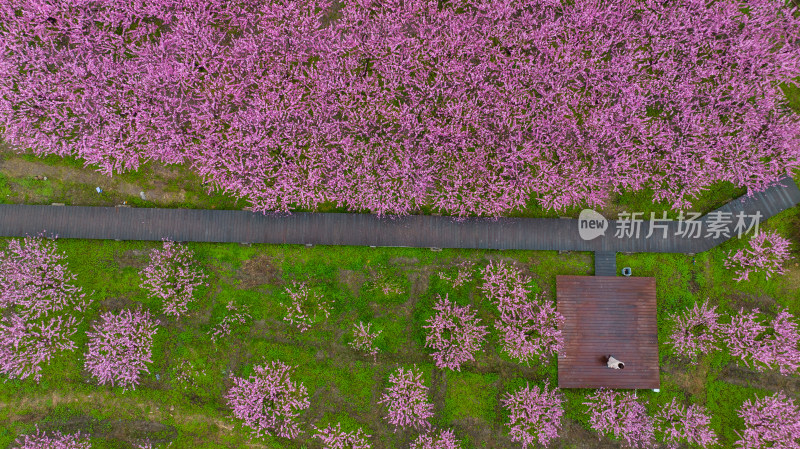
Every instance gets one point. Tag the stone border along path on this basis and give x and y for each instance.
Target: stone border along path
(422, 231)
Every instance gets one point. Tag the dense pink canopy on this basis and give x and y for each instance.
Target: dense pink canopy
(120, 347)
(469, 107)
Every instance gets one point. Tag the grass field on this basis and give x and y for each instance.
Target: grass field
(345, 386)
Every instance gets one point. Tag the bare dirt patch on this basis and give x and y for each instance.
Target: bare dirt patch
(767, 380)
(258, 271)
(144, 422)
(749, 302)
(792, 274)
(691, 381)
(118, 303)
(136, 258)
(353, 280)
(573, 435)
(403, 260)
(131, 431)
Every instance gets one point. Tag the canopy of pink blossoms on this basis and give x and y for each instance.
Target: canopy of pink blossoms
(269, 401)
(467, 107)
(406, 400)
(120, 347)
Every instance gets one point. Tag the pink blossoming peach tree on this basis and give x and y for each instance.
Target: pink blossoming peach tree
(771, 421)
(696, 331)
(172, 277)
(767, 253)
(534, 415)
(269, 401)
(120, 347)
(454, 333)
(406, 400)
(763, 344)
(621, 416)
(442, 439)
(678, 424)
(529, 325)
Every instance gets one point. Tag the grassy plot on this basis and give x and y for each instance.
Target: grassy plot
(344, 386)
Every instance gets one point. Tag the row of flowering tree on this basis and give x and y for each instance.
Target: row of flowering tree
(466, 106)
(757, 341)
(269, 403)
(769, 421)
(40, 306)
(623, 417)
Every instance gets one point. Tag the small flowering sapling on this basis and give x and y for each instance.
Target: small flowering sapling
(696, 331)
(621, 415)
(364, 340)
(506, 287)
(444, 439)
(454, 333)
(172, 276)
(678, 424)
(773, 421)
(535, 415)
(305, 308)
(235, 315)
(336, 438)
(407, 400)
(187, 375)
(760, 347)
(58, 440)
(767, 253)
(37, 299)
(389, 288)
(120, 346)
(463, 276)
(269, 402)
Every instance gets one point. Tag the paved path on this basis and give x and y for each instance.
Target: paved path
(124, 223)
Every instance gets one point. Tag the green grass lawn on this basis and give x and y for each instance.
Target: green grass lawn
(343, 385)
